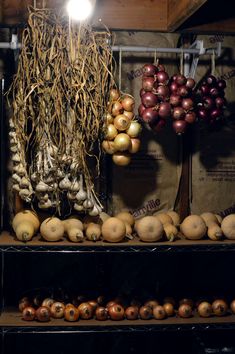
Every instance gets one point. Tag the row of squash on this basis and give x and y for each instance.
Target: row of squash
(159, 226)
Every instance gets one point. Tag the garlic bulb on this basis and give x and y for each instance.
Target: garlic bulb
(24, 183)
(78, 207)
(16, 158)
(16, 178)
(16, 187)
(75, 185)
(41, 187)
(24, 193)
(88, 204)
(65, 183)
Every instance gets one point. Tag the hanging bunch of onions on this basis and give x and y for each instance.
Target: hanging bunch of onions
(182, 102)
(121, 129)
(155, 108)
(59, 96)
(211, 101)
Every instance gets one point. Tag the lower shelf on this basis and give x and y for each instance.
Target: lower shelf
(10, 321)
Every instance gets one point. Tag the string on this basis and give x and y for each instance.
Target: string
(182, 62)
(120, 70)
(213, 63)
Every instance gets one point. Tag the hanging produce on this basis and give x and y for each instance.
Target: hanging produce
(121, 129)
(59, 97)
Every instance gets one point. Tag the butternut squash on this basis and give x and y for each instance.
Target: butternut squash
(113, 230)
(228, 226)
(149, 229)
(174, 216)
(214, 231)
(93, 232)
(164, 218)
(52, 229)
(193, 227)
(170, 231)
(73, 228)
(126, 217)
(209, 218)
(25, 224)
(219, 218)
(24, 231)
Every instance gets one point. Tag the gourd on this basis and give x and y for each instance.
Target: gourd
(149, 229)
(193, 227)
(113, 230)
(228, 226)
(214, 231)
(25, 224)
(52, 229)
(167, 222)
(93, 232)
(74, 229)
(126, 217)
(174, 216)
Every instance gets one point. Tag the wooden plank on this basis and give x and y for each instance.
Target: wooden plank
(180, 10)
(226, 26)
(132, 14)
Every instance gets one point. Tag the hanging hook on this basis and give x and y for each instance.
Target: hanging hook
(120, 70)
(182, 61)
(213, 62)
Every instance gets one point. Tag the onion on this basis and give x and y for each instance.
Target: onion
(169, 309)
(214, 92)
(162, 77)
(180, 79)
(190, 117)
(220, 102)
(122, 142)
(162, 91)
(149, 70)
(204, 309)
(108, 147)
(178, 113)
(159, 312)
(135, 146)
(185, 311)
(190, 83)
(174, 87)
(132, 312)
(134, 129)
(205, 89)
(128, 103)
(28, 313)
(187, 103)
(145, 312)
(129, 115)
(141, 109)
(148, 83)
(232, 306)
(164, 110)
(219, 307)
(101, 313)
(108, 118)
(187, 301)
(121, 159)
(221, 84)
(116, 312)
(149, 115)
(179, 126)
(175, 100)
(158, 125)
(151, 303)
(161, 67)
(142, 91)
(208, 102)
(216, 113)
(211, 80)
(203, 113)
(111, 132)
(114, 94)
(149, 99)
(117, 108)
(121, 122)
(183, 91)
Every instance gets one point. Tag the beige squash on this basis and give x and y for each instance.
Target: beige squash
(228, 226)
(52, 229)
(126, 217)
(149, 229)
(26, 215)
(174, 216)
(24, 231)
(113, 230)
(93, 232)
(193, 227)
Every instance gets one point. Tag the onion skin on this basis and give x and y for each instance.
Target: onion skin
(190, 117)
(108, 147)
(148, 83)
(85, 311)
(178, 113)
(117, 108)
(43, 314)
(183, 91)
(162, 77)
(111, 132)
(131, 313)
(180, 79)
(175, 100)
(129, 115)
(190, 83)
(121, 158)
(71, 313)
(204, 309)
(116, 312)
(134, 129)
(101, 313)
(164, 110)
(149, 70)
(122, 142)
(159, 312)
(186, 301)
(29, 313)
(141, 109)
(162, 92)
(179, 126)
(187, 103)
(145, 312)
(185, 311)
(128, 103)
(158, 125)
(135, 146)
(219, 307)
(121, 123)
(149, 115)
(174, 87)
(169, 309)
(149, 99)
(57, 309)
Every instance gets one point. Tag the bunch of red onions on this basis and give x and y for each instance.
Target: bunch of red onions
(162, 98)
(155, 108)
(211, 101)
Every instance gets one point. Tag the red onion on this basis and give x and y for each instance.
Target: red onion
(190, 117)
(183, 91)
(174, 87)
(187, 104)
(162, 77)
(179, 126)
(148, 83)
(161, 67)
(164, 110)
(211, 80)
(190, 83)
(158, 125)
(142, 91)
(221, 84)
(216, 113)
(180, 79)
(203, 113)
(162, 91)
(175, 100)
(208, 102)
(205, 90)
(149, 70)
(214, 92)
(149, 115)
(149, 99)
(178, 113)
(141, 109)
(220, 102)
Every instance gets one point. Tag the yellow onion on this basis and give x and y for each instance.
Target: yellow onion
(121, 122)
(108, 147)
(114, 94)
(122, 142)
(135, 146)
(129, 115)
(134, 129)
(121, 158)
(108, 118)
(117, 108)
(111, 132)
(128, 103)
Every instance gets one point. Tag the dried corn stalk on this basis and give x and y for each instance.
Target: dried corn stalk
(59, 96)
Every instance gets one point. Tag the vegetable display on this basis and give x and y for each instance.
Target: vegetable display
(59, 98)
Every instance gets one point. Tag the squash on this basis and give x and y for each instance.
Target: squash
(170, 231)
(219, 218)
(228, 226)
(149, 229)
(113, 230)
(25, 224)
(174, 216)
(164, 218)
(193, 227)
(89, 219)
(126, 217)
(214, 231)
(52, 229)
(93, 232)
(74, 229)
(209, 218)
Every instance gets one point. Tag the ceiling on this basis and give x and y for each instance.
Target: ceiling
(151, 15)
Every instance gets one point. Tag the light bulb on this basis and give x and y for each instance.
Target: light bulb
(80, 10)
